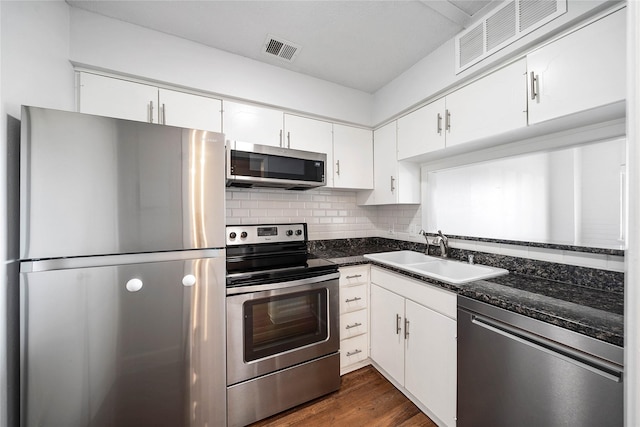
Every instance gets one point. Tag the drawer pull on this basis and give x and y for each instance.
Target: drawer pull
(355, 276)
(355, 325)
(352, 299)
(354, 352)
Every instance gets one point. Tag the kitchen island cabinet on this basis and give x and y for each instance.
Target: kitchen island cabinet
(123, 99)
(413, 340)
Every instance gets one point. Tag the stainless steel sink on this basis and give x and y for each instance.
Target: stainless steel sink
(445, 270)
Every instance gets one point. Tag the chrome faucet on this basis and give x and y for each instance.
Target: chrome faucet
(443, 241)
(424, 233)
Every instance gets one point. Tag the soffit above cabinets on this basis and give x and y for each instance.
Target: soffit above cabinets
(354, 43)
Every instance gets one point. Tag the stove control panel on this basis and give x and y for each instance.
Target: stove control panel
(265, 233)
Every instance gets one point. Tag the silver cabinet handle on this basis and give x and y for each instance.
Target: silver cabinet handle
(353, 299)
(534, 86)
(150, 111)
(338, 167)
(393, 181)
(355, 325)
(164, 114)
(288, 139)
(398, 327)
(447, 120)
(280, 137)
(354, 352)
(439, 124)
(406, 329)
(355, 276)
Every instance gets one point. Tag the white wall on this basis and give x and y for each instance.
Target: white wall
(436, 72)
(101, 42)
(632, 259)
(34, 69)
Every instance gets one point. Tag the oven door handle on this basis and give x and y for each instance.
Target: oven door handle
(282, 285)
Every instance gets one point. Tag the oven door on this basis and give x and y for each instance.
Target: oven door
(281, 325)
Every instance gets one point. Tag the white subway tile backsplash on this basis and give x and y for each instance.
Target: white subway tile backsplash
(335, 214)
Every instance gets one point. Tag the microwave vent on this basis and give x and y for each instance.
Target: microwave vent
(502, 26)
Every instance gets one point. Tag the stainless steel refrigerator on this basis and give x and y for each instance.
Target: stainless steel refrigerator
(122, 273)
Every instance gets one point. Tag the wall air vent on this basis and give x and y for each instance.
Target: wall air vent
(503, 26)
(280, 48)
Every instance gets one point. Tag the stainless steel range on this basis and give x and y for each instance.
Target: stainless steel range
(282, 322)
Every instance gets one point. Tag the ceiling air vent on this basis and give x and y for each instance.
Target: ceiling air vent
(503, 26)
(283, 49)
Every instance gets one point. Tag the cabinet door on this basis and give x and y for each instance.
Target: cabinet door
(306, 134)
(422, 131)
(387, 338)
(190, 111)
(106, 96)
(582, 70)
(489, 106)
(248, 123)
(352, 157)
(385, 165)
(430, 358)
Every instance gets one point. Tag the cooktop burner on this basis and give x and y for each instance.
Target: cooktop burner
(271, 253)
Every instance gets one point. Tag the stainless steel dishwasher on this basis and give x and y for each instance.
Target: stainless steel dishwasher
(518, 371)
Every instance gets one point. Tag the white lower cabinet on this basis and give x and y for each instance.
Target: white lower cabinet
(413, 341)
(354, 318)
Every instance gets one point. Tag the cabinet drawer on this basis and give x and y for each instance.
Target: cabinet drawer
(353, 350)
(353, 324)
(430, 296)
(353, 298)
(350, 276)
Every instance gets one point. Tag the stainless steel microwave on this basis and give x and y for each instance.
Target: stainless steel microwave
(253, 165)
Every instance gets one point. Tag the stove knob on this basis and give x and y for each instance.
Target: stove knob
(232, 235)
(243, 235)
(298, 232)
(289, 233)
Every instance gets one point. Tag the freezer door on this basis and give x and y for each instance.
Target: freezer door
(124, 346)
(95, 185)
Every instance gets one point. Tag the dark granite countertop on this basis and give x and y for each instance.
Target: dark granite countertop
(592, 312)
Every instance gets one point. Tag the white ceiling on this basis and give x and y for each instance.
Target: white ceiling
(359, 44)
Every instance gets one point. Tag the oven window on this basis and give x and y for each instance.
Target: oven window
(277, 324)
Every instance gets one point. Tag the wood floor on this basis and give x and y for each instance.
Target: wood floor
(365, 398)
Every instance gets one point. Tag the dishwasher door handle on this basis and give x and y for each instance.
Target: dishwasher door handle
(607, 370)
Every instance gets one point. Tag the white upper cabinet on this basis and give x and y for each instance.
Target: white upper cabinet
(422, 131)
(248, 123)
(352, 157)
(111, 97)
(492, 105)
(306, 134)
(393, 182)
(190, 111)
(583, 70)
(104, 96)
